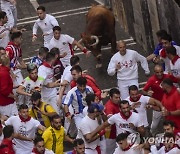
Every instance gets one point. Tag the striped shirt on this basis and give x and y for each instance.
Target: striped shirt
(36, 60)
(77, 99)
(14, 51)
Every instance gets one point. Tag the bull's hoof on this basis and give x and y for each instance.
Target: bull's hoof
(98, 65)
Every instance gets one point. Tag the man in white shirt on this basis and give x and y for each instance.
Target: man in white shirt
(31, 83)
(124, 147)
(139, 103)
(76, 97)
(4, 30)
(124, 63)
(174, 61)
(39, 147)
(49, 91)
(25, 128)
(64, 43)
(9, 6)
(46, 22)
(88, 124)
(125, 121)
(167, 42)
(169, 146)
(66, 78)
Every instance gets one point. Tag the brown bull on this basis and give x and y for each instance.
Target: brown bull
(99, 31)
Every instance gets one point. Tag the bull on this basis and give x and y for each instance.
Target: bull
(99, 31)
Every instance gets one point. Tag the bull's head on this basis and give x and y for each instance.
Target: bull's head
(90, 41)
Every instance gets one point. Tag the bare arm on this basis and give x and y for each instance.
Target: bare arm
(21, 91)
(53, 84)
(21, 137)
(99, 128)
(155, 102)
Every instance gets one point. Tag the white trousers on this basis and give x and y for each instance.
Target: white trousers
(155, 120)
(124, 85)
(9, 110)
(110, 146)
(91, 151)
(102, 145)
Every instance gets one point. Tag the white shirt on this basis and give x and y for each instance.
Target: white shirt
(77, 99)
(129, 67)
(175, 68)
(27, 129)
(88, 125)
(131, 150)
(63, 45)
(47, 73)
(122, 125)
(5, 3)
(154, 150)
(46, 26)
(167, 60)
(30, 85)
(4, 30)
(46, 152)
(68, 77)
(1, 137)
(144, 100)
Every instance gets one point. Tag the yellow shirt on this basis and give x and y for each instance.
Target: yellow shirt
(59, 138)
(43, 119)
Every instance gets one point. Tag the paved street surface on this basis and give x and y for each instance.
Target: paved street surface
(71, 17)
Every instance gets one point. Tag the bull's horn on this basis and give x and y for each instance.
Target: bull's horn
(96, 38)
(75, 47)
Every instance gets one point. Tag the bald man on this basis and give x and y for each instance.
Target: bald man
(124, 63)
(153, 88)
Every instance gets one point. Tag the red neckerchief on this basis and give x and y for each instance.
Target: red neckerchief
(74, 152)
(46, 64)
(35, 151)
(24, 120)
(125, 117)
(167, 150)
(126, 149)
(163, 53)
(33, 79)
(139, 96)
(175, 59)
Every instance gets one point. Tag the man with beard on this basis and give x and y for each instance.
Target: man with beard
(79, 147)
(169, 146)
(171, 103)
(39, 147)
(25, 128)
(88, 124)
(46, 22)
(139, 103)
(111, 108)
(125, 121)
(54, 136)
(40, 110)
